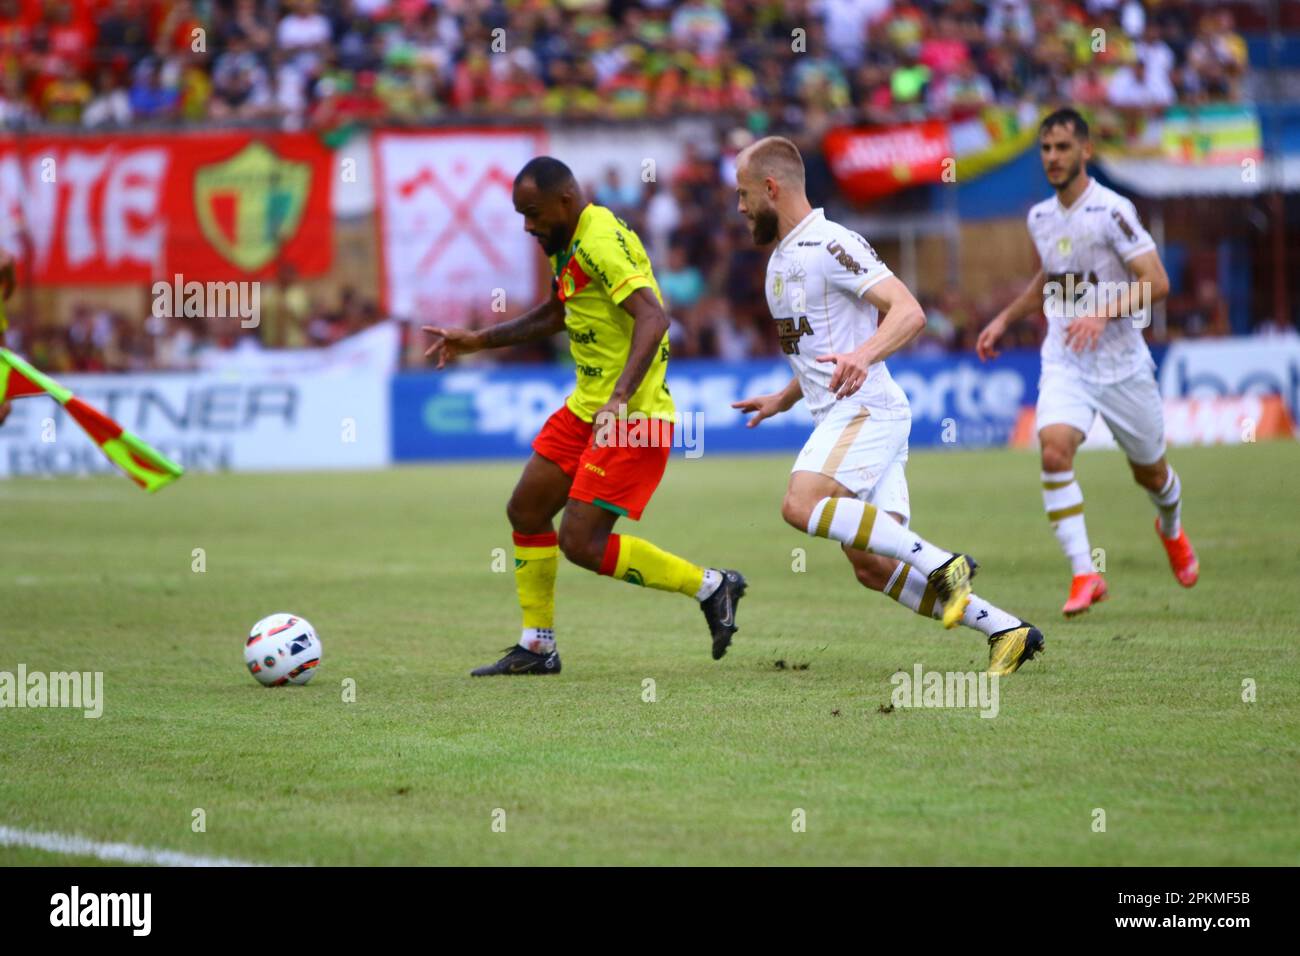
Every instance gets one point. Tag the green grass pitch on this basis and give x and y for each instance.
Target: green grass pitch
(1135, 709)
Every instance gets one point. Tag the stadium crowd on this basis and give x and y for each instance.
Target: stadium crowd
(756, 66)
(770, 62)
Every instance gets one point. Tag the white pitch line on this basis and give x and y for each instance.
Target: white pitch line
(113, 852)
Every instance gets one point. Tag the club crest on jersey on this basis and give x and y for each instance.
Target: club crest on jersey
(778, 285)
(1063, 245)
(571, 280)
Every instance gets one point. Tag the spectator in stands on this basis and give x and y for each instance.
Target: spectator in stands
(305, 32)
(121, 35)
(681, 282)
(615, 194)
(241, 84)
(110, 106)
(65, 96)
(962, 93)
(1135, 89)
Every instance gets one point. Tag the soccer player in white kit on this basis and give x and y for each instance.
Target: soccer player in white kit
(840, 313)
(1099, 275)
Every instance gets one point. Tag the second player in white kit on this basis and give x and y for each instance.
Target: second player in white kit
(839, 313)
(1099, 275)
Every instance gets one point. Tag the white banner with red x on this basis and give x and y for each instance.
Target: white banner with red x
(453, 250)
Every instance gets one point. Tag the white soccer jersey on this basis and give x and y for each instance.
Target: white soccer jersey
(1092, 241)
(815, 281)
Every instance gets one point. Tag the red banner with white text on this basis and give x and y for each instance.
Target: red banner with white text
(121, 209)
(871, 163)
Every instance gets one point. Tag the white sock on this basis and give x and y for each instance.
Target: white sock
(985, 617)
(914, 592)
(1063, 502)
(712, 580)
(1169, 504)
(539, 640)
(859, 525)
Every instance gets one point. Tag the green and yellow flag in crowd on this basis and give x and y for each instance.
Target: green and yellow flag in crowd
(143, 464)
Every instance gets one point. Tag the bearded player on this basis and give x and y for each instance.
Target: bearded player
(1095, 362)
(604, 293)
(840, 313)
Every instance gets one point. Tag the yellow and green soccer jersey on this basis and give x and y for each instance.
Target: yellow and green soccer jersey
(604, 264)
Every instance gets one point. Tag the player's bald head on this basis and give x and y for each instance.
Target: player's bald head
(547, 195)
(773, 157)
(769, 182)
(550, 176)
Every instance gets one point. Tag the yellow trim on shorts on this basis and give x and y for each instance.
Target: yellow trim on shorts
(844, 442)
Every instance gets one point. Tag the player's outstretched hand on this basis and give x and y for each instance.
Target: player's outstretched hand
(449, 343)
(986, 346)
(765, 405)
(850, 373)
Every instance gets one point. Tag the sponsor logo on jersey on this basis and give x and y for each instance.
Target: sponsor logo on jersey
(790, 331)
(591, 265)
(585, 337)
(1124, 227)
(626, 251)
(841, 255)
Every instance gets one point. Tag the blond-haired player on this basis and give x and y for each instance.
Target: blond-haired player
(840, 313)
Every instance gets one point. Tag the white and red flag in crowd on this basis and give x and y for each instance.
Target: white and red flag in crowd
(451, 243)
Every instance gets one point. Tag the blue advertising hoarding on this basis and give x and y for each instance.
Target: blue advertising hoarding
(469, 412)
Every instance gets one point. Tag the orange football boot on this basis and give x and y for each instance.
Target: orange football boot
(1182, 559)
(1085, 591)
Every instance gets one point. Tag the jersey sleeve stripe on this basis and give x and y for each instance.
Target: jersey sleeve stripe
(871, 281)
(625, 282)
(1141, 250)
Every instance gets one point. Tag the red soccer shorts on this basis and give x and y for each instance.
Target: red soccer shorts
(620, 476)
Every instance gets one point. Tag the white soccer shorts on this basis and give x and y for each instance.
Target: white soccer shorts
(864, 454)
(1132, 410)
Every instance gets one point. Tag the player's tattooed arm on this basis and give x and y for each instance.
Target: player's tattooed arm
(1029, 302)
(901, 321)
(538, 322)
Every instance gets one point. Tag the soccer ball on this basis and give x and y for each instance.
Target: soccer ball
(282, 649)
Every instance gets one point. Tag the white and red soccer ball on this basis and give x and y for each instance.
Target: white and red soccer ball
(282, 649)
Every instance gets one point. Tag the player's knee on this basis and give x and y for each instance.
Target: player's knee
(517, 514)
(580, 547)
(1153, 477)
(1057, 458)
(796, 512)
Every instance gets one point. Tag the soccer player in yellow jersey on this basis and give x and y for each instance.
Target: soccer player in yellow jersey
(604, 293)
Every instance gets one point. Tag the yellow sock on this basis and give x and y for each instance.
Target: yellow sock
(536, 557)
(640, 562)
